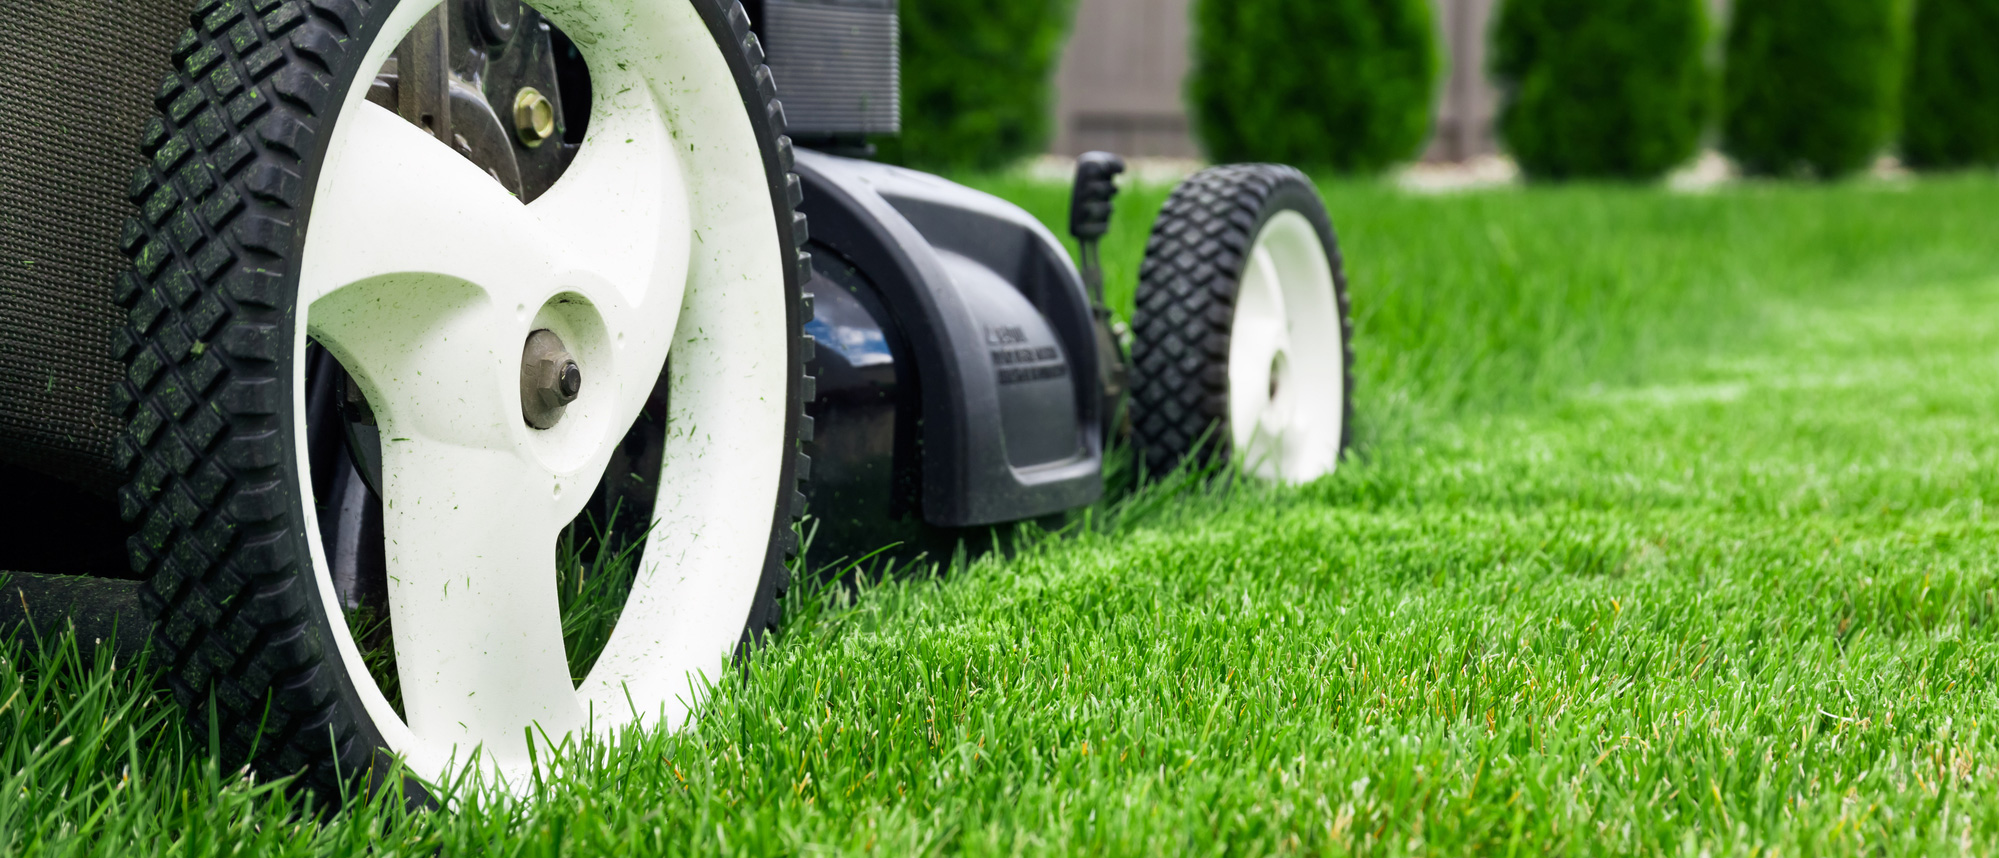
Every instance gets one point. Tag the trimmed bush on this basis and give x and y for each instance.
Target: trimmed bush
(1950, 106)
(1341, 85)
(977, 81)
(1602, 88)
(1811, 85)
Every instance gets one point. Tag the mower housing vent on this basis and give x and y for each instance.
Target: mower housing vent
(837, 65)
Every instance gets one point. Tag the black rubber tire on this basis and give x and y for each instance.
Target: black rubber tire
(209, 441)
(1186, 305)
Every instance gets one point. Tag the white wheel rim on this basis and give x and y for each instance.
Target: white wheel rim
(1287, 357)
(424, 277)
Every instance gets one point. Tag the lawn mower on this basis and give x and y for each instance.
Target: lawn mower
(426, 380)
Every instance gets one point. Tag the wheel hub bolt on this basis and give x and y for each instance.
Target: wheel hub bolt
(571, 382)
(550, 379)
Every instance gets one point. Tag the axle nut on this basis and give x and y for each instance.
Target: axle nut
(550, 379)
(534, 117)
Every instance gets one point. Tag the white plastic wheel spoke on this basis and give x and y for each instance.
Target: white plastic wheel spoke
(1282, 430)
(472, 537)
(623, 204)
(396, 202)
(410, 217)
(1258, 337)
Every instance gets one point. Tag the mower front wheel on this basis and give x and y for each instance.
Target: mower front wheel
(1241, 342)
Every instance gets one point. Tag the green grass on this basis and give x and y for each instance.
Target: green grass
(1668, 534)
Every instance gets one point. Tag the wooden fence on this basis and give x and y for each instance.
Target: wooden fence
(1119, 87)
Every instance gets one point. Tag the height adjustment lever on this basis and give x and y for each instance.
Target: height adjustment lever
(1089, 220)
(1090, 212)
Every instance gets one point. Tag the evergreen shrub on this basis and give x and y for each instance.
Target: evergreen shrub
(1810, 86)
(1342, 85)
(1602, 88)
(1950, 105)
(977, 81)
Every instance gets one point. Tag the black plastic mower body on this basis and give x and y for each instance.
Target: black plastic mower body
(956, 359)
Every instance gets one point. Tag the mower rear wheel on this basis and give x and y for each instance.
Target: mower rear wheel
(283, 213)
(1241, 342)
